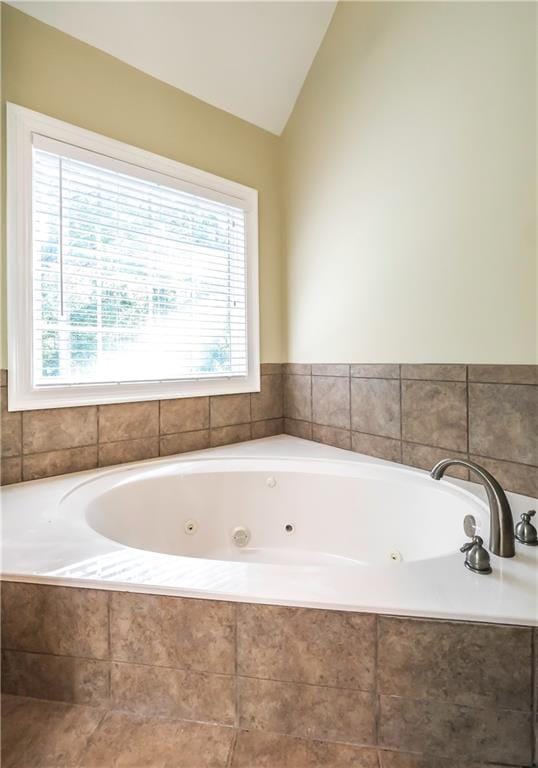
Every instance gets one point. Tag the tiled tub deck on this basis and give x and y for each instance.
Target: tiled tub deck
(147, 680)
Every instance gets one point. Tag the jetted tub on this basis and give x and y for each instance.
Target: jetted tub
(279, 520)
(298, 512)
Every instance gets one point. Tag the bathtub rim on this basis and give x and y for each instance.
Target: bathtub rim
(495, 598)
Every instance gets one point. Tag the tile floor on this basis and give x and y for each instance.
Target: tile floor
(49, 734)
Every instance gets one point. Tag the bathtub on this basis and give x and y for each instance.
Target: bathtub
(279, 520)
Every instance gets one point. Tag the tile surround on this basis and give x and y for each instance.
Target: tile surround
(414, 414)
(419, 414)
(169, 692)
(435, 413)
(305, 687)
(375, 407)
(188, 634)
(284, 644)
(307, 711)
(56, 441)
(129, 672)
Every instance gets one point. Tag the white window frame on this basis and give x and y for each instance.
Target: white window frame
(22, 123)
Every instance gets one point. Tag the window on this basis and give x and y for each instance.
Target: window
(130, 276)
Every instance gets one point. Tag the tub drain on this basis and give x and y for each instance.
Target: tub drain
(396, 556)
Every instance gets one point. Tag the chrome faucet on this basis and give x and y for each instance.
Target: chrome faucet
(501, 524)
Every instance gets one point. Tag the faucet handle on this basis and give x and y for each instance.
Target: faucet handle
(477, 558)
(526, 532)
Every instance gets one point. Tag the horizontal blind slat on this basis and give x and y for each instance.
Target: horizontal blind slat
(145, 273)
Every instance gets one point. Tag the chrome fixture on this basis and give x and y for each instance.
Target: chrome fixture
(501, 523)
(526, 532)
(477, 557)
(469, 525)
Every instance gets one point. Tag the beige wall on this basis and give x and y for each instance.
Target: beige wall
(410, 176)
(408, 166)
(48, 71)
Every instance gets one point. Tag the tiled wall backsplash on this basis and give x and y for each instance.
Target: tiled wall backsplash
(414, 414)
(418, 414)
(39, 444)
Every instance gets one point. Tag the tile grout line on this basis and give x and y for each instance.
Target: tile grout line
(231, 751)
(109, 640)
(401, 413)
(236, 666)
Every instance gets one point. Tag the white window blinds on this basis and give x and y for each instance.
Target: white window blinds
(136, 276)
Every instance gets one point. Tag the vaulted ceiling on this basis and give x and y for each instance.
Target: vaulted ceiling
(248, 58)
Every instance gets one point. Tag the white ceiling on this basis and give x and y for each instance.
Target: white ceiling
(248, 58)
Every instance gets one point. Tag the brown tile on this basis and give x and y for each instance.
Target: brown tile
(60, 620)
(227, 435)
(267, 428)
(59, 462)
(46, 734)
(128, 421)
(376, 371)
(504, 374)
(380, 447)
(429, 660)
(128, 450)
(11, 471)
(329, 714)
(58, 678)
(435, 413)
(184, 442)
(173, 632)
(340, 438)
(161, 691)
(503, 422)
(426, 457)
(330, 369)
(304, 645)
(298, 428)
(132, 741)
(188, 414)
(330, 401)
(375, 407)
(57, 428)
(269, 402)
(270, 368)
(403, 760)
(298, 397)
(9, 703)
(518, 478)
(10, 428)
(226, 410)
(429, 372)
(299, 369)
(254, 749)
(455, 731)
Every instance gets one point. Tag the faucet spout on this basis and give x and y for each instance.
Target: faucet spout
(501, 523)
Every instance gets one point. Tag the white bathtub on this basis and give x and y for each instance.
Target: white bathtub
(279, 520)
(293, 511)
